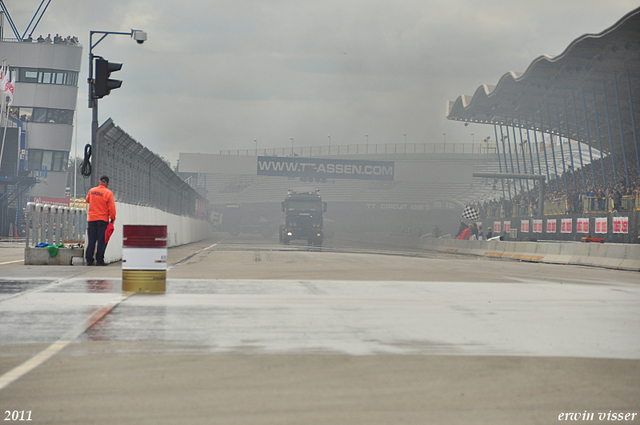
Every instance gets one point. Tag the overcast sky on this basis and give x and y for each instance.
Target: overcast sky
(217, 75)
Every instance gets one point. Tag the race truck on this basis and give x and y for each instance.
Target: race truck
(303, 210)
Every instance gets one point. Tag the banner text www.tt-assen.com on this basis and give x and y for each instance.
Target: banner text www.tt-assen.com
(325, 168)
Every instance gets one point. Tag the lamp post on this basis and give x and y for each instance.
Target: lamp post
(140, 37)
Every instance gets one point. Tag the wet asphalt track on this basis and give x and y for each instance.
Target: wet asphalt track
(250, 296)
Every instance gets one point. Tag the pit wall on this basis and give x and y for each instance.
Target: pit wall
(181, 230)
(606, 255)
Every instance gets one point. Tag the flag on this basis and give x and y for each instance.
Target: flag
(108, 232)
(5, 79)
(10, 89)
(470, 213)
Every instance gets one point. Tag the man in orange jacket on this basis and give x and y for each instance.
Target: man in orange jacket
(102, 208)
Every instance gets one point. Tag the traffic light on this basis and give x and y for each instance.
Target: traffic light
(103, 84)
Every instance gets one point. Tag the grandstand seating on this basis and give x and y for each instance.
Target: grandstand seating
(228, 188)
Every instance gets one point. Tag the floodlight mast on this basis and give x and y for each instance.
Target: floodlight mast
(140, 37)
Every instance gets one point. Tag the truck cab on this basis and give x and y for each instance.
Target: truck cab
(303, 210)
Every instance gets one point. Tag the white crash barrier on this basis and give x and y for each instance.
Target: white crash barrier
(608, 255)
(53, 224)
(58, 225)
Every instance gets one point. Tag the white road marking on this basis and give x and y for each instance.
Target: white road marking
(26, 367)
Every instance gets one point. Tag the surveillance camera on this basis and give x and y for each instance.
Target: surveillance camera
(139, 36)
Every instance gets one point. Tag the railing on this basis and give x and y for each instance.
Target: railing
(594, 204)
(369, 149)
(495, 211)
(521, 210)
(555, 207)
(54, 225)
(628, 203)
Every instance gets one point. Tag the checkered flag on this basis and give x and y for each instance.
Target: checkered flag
(470, 213)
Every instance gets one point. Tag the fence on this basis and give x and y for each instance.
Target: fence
(556, 207)
(138, 176)
(54, 225)
(368, 149)
(595, 204)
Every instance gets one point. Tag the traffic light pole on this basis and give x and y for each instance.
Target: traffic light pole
(140, 37)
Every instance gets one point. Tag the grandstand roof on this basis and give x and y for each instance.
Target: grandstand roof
(554, 92)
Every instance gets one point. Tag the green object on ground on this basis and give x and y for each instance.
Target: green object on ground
(53, 249)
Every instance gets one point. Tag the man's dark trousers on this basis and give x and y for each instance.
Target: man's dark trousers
(96, 230)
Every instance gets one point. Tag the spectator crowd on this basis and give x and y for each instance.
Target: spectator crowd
(607, 190)
(57, 39)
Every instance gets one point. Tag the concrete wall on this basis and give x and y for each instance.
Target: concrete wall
(607, 255)
(180, 230)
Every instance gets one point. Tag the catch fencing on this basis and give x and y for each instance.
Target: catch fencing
(137, 176)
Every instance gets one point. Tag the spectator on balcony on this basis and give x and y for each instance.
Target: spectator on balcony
(617, 199)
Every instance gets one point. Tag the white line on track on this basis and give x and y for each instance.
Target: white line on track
(194, 254)
(26, 367)
(11, 262)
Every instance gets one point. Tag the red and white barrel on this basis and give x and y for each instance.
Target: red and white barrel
(144, 258)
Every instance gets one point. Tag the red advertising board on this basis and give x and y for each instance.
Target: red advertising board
(497, 227)
(620, 224)
(582, 225)
(524, 226)
(537, 226)
(566, 225)
(551, 225)
(601, 225)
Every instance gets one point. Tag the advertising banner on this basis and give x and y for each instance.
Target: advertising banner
(497, 227)
(601, 224)
(58, 202)
(507, 226)
(566, 225)
(582, 225)
(524, 226)
(537, 226)
(322, 168)
(551, 225)
(620, 224)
